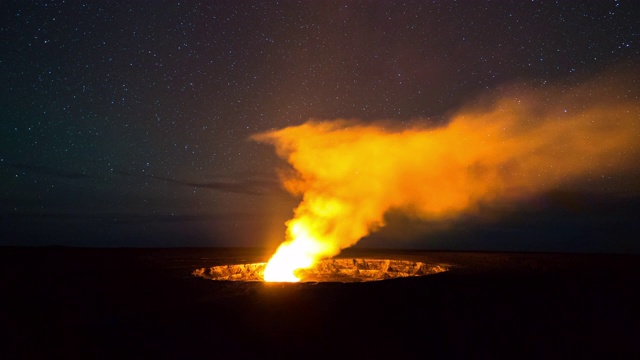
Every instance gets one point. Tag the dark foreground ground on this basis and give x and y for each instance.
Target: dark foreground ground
(143, 303)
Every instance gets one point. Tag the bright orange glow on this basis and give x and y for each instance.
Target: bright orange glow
(293, 255)
(350, 174)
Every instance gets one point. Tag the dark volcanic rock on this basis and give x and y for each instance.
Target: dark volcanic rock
(88, 303)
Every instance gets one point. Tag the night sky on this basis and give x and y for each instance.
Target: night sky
(127, 123)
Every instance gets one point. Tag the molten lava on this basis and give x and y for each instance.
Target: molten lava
(331, 270)
(303, 251)
(289, 257)
(351, 174)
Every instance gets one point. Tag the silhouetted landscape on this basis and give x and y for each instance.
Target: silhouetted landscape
(145, 303)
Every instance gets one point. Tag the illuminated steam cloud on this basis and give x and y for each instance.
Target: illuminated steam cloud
(350, 173)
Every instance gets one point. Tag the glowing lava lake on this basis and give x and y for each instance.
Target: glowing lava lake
(329, 270)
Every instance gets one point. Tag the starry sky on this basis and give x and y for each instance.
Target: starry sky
(127, 123)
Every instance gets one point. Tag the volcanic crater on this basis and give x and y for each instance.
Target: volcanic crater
(329, 270)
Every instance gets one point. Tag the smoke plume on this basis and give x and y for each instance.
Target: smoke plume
(522, 142)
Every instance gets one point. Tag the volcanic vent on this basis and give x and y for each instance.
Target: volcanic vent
(330, 270)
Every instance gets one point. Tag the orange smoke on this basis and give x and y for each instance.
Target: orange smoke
(350, 174)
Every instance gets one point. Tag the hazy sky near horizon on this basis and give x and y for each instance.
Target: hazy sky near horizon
(127, 123)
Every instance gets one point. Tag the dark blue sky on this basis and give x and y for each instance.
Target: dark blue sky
(125, 123)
